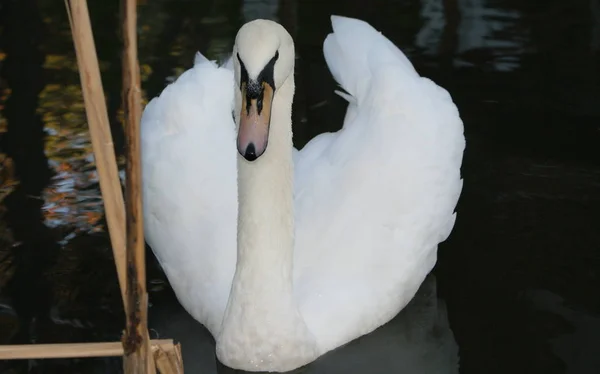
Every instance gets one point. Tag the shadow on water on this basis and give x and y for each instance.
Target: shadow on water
(515, 287)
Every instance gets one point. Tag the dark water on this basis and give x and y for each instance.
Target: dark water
(516, 285)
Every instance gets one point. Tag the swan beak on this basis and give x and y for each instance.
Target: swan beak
(255, 118)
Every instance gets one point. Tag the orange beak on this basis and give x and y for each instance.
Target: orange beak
(255, 119)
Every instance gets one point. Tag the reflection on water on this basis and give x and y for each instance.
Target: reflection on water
(253, 9)
(578, 345)
(418, 340)
(477, 28)
(524, 75)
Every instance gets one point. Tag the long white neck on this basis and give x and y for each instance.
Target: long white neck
(265, 239)
(262, 323)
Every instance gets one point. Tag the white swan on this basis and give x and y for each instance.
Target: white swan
(333, 240)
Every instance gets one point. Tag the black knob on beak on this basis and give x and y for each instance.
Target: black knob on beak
(250, 153)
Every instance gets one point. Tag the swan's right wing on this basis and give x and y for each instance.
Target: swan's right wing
(189, 186)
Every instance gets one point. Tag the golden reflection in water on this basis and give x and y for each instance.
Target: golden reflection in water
(72, 200)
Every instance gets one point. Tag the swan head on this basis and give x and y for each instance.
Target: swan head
(263, 58)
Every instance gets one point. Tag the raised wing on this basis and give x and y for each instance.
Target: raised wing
(189, 186)
(374, 199)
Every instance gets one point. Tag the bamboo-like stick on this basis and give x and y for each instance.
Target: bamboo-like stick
(97, 115)
(138, 357)
(73, 350)
(168, 361)
(167, 355)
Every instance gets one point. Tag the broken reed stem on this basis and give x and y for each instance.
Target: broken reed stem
(77, 350)
(138, 356)
(167, 355)
(139, 352)
(102, 144)
(168, 361)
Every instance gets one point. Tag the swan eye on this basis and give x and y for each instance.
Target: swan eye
(267, 74)
(243, 71)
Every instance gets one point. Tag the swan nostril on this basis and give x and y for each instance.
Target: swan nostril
(250, 153)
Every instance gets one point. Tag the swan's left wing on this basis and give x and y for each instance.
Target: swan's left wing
(190, 186)
(374, 199)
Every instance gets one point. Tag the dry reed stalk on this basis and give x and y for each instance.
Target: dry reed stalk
(138, 357)
(168, 359)
(139, 352)
(74, 350)
(102, 144)
(167, 354)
